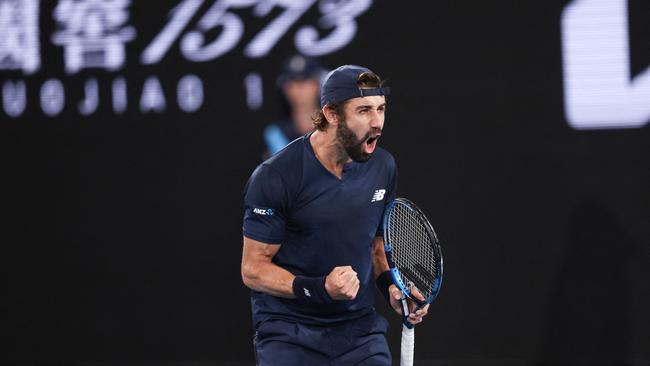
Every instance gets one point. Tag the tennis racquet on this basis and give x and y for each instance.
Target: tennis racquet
(415, 260)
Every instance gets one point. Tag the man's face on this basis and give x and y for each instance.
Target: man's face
(361, 127)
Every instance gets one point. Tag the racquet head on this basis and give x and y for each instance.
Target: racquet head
(412, 250)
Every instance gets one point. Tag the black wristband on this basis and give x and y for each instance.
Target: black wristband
(311, 290)
(383, 282)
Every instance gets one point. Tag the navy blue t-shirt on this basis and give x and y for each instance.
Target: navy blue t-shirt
(321, 222)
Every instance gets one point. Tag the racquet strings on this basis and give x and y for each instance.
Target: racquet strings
(414, 248)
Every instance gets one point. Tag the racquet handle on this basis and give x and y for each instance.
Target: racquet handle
(405, 313)
(408, 346)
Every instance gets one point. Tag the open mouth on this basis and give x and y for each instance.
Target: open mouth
(371, 140)
(371, 144)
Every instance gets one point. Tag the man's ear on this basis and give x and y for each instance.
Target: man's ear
(331, 115)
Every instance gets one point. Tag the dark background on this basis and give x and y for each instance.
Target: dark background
(121, 241)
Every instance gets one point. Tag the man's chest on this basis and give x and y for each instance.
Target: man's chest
(340, 205)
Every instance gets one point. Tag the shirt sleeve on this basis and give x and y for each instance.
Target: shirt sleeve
(265, 202)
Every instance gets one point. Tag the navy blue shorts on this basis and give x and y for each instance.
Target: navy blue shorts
(356, 342)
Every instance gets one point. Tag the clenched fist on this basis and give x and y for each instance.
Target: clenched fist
(342, 283)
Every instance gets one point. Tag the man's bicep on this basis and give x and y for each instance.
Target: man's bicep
(260, 273)
(255, 255)
(255, 250)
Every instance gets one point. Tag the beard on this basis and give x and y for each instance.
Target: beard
(351, 144)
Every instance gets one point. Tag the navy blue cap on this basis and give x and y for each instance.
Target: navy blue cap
(341, 84)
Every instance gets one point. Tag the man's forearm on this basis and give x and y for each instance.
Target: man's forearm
(269, 278)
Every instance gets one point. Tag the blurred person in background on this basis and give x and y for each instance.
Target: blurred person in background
(299, 87)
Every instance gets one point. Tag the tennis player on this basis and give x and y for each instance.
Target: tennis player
(313, 250)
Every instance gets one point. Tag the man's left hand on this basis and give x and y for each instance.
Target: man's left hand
(415, 316)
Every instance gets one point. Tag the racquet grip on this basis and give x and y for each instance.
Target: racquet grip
(408, 346)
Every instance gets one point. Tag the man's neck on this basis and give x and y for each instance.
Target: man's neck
(327, 150)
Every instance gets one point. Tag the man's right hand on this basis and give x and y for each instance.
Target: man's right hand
(342, 283)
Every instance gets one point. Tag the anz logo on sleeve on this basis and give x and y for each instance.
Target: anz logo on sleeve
(263, 211)
(599, 89)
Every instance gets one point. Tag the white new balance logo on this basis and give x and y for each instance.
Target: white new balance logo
(379, 195)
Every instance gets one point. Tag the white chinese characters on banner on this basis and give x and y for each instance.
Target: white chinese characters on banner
(93, 33)
(19, 35)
